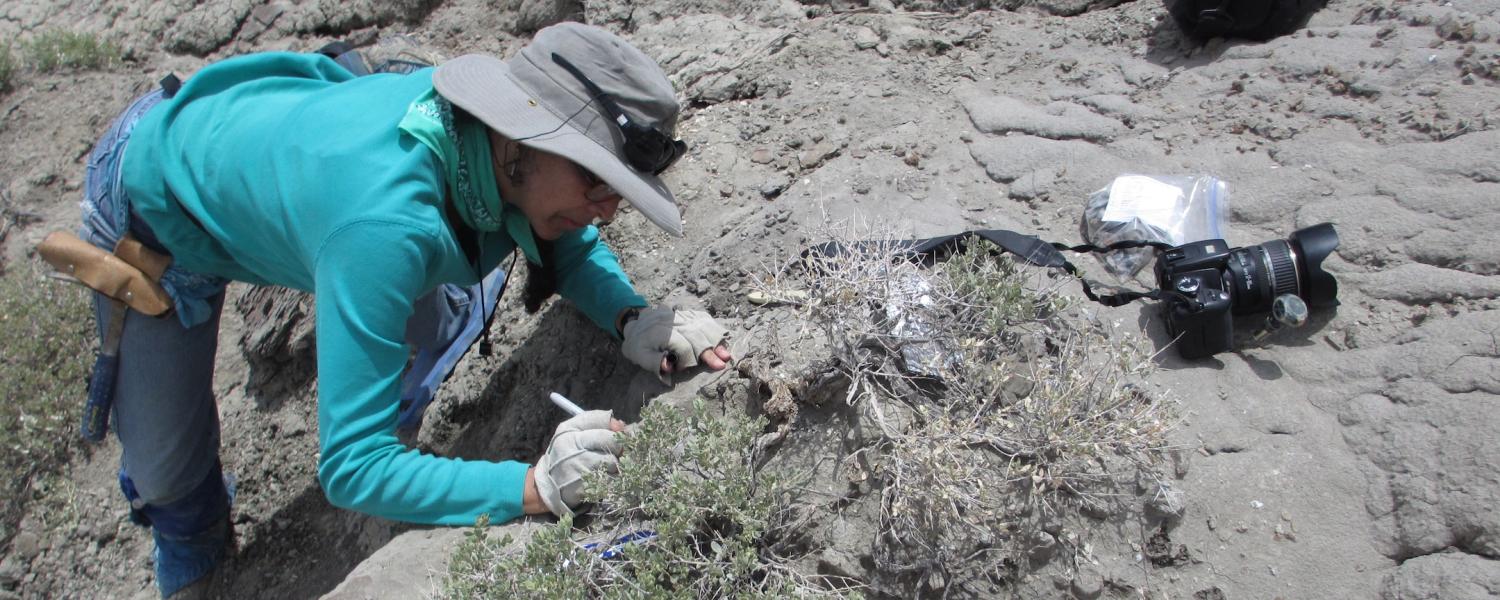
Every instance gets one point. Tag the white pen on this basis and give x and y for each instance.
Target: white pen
(565, 404)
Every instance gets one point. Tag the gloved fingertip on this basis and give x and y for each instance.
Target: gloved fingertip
(589, 419)
(602, 441)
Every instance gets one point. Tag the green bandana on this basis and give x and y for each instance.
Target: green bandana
(463, 146)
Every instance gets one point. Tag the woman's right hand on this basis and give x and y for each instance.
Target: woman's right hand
(582, 444)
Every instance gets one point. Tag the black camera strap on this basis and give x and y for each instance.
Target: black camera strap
(1029, 248)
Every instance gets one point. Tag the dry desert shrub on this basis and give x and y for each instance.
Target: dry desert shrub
(1003, 408)
(46, 345)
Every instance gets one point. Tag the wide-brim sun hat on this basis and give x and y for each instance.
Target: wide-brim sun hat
(534, 99)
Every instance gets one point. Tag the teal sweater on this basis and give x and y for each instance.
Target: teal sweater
(294, 174)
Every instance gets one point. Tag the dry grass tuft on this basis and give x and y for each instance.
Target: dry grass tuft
(1003, 408)
(58, 49)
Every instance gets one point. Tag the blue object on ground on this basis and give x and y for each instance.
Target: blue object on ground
(618, 545)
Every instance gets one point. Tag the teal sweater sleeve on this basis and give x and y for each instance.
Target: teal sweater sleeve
(590, 276)
(363, 300)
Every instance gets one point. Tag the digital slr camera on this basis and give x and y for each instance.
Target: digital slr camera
(1205, 284)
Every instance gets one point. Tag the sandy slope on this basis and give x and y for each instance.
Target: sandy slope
(1354, 458)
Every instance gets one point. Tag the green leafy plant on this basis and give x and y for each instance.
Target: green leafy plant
(687, 477)
(56, 49)
(45, 347)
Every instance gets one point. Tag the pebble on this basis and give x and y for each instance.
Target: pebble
(26, 545)
(1087, 584)
(11, 572)
(1044, 546)
(772, 189)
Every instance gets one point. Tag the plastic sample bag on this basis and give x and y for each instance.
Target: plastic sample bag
(1152, 208)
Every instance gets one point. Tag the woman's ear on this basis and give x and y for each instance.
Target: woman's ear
(507, 159)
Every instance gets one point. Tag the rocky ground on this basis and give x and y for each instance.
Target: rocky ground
(1352, 458)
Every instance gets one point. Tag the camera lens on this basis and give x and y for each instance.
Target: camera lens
(1260, 273)
(1314, 244)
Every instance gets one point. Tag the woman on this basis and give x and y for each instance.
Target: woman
(371, 192)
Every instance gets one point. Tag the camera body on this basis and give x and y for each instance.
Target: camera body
(1204, 284)
(1200, 320)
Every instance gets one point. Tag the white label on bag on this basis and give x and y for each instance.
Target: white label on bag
(1144, 198)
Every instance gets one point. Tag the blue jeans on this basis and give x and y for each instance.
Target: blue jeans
(163, 409)
(164, 412)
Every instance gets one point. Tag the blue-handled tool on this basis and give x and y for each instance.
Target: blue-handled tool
(102, 380)
(618, 545)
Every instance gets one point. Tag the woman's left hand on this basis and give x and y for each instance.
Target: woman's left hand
(713, 359)
(670, 340)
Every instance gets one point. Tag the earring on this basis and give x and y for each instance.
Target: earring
(514, 172)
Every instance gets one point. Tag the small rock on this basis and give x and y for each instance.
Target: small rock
(294, 425)
(936, 583)
(26, 545)
(1167, 502)
(1043, 548)
(839, 564)
(1087, 584)
(266, 14)
(11, 572)
(865, 38)
(772, 189)
(817, 154)
(761, 156)
(41, 179)
(1213, 593)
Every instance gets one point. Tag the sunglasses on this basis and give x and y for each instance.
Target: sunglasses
(598, 190)
(647, 149)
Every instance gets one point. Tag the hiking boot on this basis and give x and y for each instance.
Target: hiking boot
(188, 566)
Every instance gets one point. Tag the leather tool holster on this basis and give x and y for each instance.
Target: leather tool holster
(130, 275)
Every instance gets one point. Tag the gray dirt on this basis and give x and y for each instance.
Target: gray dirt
(1352, 458)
